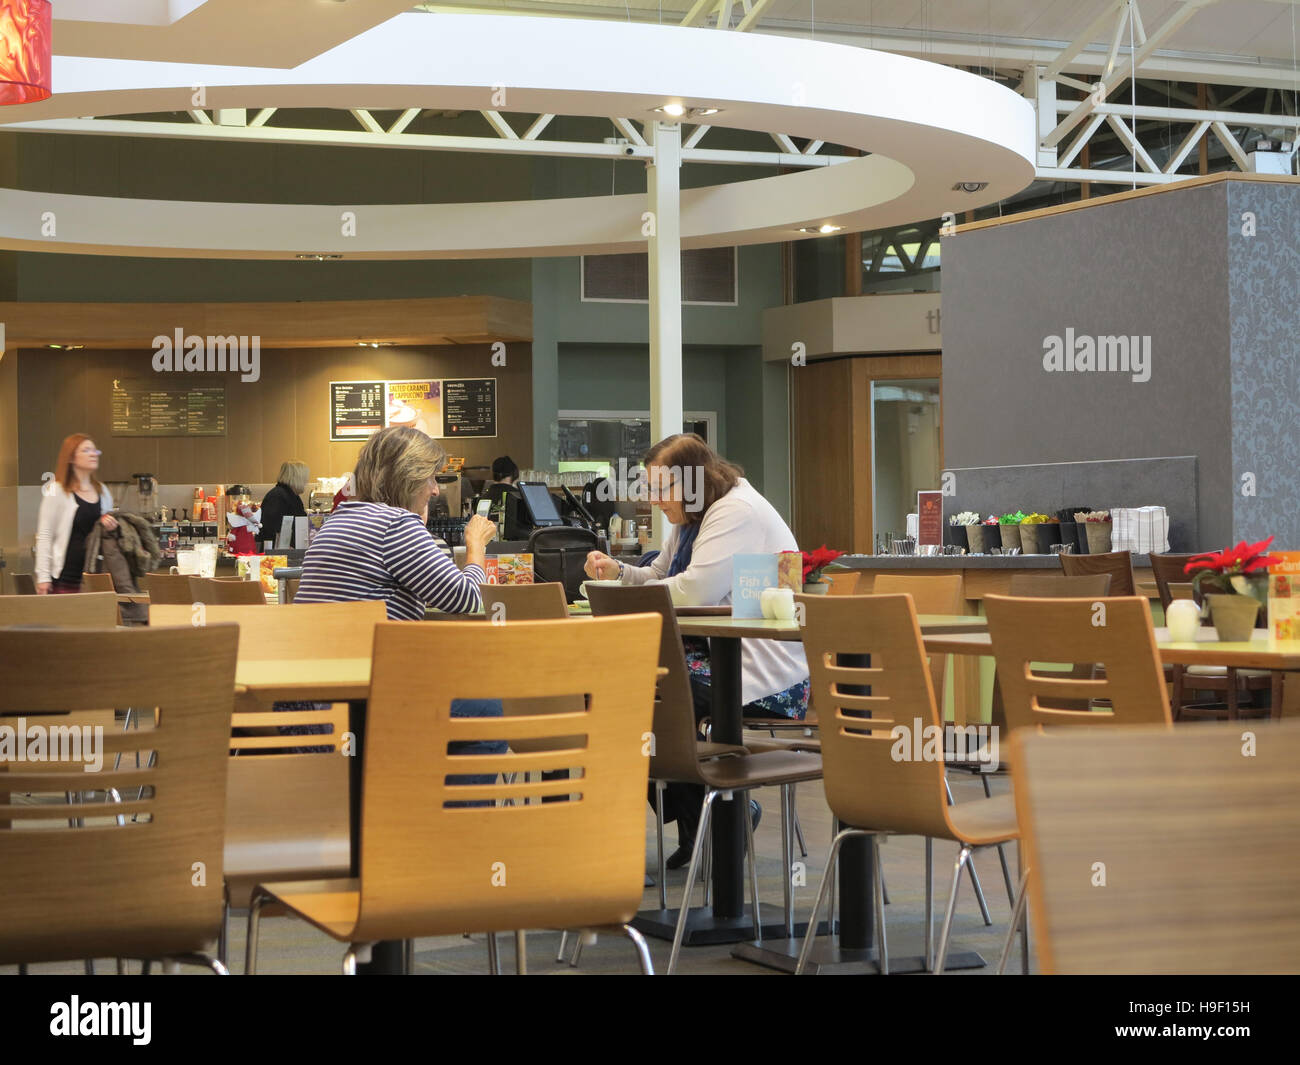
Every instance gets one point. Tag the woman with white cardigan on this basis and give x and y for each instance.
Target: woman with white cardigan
(715, 515)
(71, 504)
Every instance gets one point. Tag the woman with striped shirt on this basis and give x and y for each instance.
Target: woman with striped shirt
(375, 546)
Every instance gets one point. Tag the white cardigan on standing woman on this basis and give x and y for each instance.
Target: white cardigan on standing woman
(54, 529)
(740, 523)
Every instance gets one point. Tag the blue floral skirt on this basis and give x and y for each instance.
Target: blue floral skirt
(791, 703)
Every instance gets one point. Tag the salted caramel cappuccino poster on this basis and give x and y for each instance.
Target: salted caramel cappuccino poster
(417, 404)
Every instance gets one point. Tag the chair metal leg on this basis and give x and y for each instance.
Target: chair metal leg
(659, 838)
(798, 828)
(929, 904)
(564, 940)
(521, 952)
(1017, 912)
(121, 966)
(146, 967)
(743, 797)
(706, 810)
(828, 878)
(883, 943)
(706, 871)
(254, 920)
(408, 957)
(223, 936)
(787, 856)
(1024, 927)
(494, 959)
(1006, 875)
(90, 966)
(962, 859)
(974, 876)
(350, 960)
(579, 938)
(642, 951)
(205, 960)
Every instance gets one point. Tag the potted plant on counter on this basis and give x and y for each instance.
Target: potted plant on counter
(982, 535)
(959, 524)
(814, 565)
(1098, 526)
(1234, 582)
(1009, 527)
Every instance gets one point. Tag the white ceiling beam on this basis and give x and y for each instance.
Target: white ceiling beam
(784, 142)
(1190, 114)
(366, 120)
(698, 12)
(201, 117)
(697, 135)
(1130, 141)
(1076, 145)
(752, 13)
(1120, 23)
(625, 127)
(1085, 38)
(1106, 177)
(813, 147)
(498, 123)
(404, 119)
(535, 130)
(262, 117)
(422, 141)
(1230, 142)
(1074, 83)
(1189, 142)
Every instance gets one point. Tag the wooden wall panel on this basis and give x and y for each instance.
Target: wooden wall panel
(821, 430)
(285, 414)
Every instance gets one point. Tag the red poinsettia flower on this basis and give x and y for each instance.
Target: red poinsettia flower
(1244, 558)
(816, 560)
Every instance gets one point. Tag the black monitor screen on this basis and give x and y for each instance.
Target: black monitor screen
(541, 504)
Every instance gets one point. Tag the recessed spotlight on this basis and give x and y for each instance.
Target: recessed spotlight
(376, 343)
(824, 229)
(317, 256)
(673, 110)
(65, 347)
(970, 186)
(681, 111)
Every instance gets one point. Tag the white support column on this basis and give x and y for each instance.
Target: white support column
(1044, 90)
(663, 226)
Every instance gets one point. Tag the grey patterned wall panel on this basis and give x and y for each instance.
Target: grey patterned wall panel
(1264, 294)
(1153, 267)
(1167, 482)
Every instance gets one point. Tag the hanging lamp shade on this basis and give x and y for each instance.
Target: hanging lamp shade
(24, 51)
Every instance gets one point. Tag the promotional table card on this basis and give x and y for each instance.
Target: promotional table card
(789, 568)
(750, 574)
(509, 569)
(1284, 596)
(929, 524)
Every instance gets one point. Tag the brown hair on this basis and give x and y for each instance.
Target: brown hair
(395, 464)
(685, 451)
(63, 471)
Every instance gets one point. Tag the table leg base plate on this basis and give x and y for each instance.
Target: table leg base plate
(783, 955)
(704, 929)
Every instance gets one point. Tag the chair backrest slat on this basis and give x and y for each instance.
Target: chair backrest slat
(1114, 633)
(84, 610)
(302, 630)
(167, 588)
(1198, 840)
(490, 867)
(222, 592)
(148, 887)
(1119, 564)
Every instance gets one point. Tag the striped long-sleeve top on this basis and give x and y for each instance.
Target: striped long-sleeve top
(374, 551)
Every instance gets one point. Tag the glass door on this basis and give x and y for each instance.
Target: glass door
(906, 450)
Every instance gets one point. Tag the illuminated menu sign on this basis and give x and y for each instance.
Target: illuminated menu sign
(141, 408)
(356, 409)
(469, 407)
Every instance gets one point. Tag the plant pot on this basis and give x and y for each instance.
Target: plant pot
(1081, 536)
(1098, 537)
(957, 536)
(1033, 539)
(1067, 533)
(1010, 536)
(818, 588)
(1233, 616)
(977, 539)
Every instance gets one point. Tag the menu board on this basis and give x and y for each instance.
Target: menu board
(469, 407)
(929, 509)
(357, 409)
(415, 403)
(142, 408)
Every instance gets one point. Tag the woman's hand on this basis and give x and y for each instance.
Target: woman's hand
(43, 588)
(109, 522)
(601, 567)
(479, 532)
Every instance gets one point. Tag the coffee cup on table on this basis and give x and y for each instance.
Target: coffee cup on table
(1183, 619)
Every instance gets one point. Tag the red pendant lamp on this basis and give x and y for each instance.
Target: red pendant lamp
(24, 51)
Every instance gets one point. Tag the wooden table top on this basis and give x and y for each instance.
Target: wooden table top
(1256, 653)
(763, 629)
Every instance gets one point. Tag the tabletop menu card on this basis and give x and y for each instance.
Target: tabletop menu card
(750, 574)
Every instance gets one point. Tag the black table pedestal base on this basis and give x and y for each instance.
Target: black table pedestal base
(703, 929)
(830, 957)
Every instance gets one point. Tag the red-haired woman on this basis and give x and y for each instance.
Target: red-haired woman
(72, 502)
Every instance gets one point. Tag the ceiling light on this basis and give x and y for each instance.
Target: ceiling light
(317, 256)
(25, 61)
(824, 229)
(65, 347)
(682, 111)
(673, 110)
(376, 343)
(970, 186)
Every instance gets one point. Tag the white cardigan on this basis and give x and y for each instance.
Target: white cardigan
(54, 529)
(740, 523)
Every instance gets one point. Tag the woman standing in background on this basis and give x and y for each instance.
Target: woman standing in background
(285, 499)
(71, 504)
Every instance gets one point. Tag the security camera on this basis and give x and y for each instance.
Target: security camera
(628, 150)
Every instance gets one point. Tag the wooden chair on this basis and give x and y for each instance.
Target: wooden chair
(227, 592)
(287, 632)
(844, 581)
(429, 869)
(1055, 586)
(148, 887)
(23, 583)
(97, 582)
(1227, 681)
(930, 595)
(680, 757)
(1195, 838)
(1026, 632)
(87, 610)
(1119, 564)
(871, 791)
(167, 589)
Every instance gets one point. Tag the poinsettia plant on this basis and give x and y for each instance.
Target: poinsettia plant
(816, 561)
(1230, 571)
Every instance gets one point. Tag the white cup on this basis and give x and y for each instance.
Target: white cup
(1183, 619)
(777, 604)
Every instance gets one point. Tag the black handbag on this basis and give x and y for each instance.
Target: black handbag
(559, 554)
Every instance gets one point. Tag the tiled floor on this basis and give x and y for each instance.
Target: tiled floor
(290, 946)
